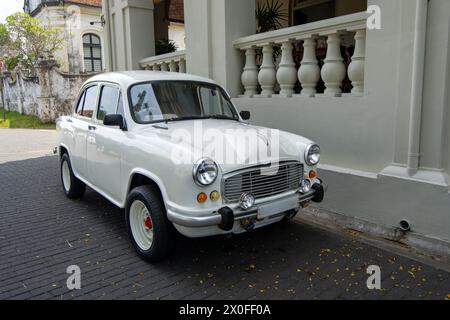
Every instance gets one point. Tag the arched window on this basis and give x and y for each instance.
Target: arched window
(92, 48)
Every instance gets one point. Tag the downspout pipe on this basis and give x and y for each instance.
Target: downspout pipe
(415, 123)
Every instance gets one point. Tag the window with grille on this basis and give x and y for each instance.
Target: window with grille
(92, 48)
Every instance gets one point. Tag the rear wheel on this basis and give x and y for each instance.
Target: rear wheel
(151, 233)
(72, 186)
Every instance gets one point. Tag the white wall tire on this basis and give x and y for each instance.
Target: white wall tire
(150, 232)
(73, 188)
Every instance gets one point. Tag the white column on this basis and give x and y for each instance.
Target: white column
(131, 24)
(267, 74)
(211, 28)
(164, 66)
(356, 67)
(249, 77)
(287, 73)
(182, 66)
(173, 66)
(333, 71)
(309, 72)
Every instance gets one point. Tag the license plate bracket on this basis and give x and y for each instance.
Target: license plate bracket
(278, 206)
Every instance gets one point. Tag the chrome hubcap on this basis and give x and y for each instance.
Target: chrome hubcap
(66, 175)
(141, 225)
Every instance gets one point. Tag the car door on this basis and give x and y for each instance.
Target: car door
(81, 122)
(105, 147)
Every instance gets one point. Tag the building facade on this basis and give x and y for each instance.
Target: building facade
(370, 87)
(81, 29)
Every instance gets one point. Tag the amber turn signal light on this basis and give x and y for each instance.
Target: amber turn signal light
(202, 197)
(312, 174)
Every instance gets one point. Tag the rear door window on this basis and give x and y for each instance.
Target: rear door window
(90, 101)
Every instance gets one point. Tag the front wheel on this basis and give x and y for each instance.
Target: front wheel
(151, 233)
(72, 186)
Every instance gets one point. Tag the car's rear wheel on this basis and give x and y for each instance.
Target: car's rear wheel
(72, 186)
(151, 233)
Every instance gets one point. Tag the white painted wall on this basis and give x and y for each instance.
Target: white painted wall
(70, 56)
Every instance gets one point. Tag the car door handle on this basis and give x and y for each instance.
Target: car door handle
(92, 128)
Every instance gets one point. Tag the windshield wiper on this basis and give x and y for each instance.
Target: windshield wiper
(220, 117)
(183, 118)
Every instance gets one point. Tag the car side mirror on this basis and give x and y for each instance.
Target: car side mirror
(245, 115)
(115, 120)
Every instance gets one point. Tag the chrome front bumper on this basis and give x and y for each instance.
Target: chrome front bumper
(225, 217)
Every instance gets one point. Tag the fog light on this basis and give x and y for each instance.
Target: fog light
(247, 201)
(305, 186)
(202, 197)
(214, 196)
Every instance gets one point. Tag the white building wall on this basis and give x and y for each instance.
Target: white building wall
(70, 55)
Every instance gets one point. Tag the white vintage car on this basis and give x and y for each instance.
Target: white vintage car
(134, 138)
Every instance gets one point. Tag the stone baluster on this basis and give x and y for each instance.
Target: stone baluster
(333, 71)
(309, 71)
(249, 77)
(267, 74)
(164, 66)
(156, 67)
(356, 67)
(287, 73)
(182, 66)
(173, 66)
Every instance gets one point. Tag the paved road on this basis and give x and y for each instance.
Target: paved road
(42, 233)
(21, 144)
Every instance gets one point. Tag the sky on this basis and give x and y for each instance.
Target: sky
(8, 7)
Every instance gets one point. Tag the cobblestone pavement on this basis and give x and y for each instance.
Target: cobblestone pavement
(21, 144)
(42, 233)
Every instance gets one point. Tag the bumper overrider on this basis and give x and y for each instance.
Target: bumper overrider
(225, 217)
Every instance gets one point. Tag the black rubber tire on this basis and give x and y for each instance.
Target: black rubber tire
(77, 187)
(164, 234)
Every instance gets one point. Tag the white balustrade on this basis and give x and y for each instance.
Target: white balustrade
(333, 70)
(249, 77)
(356, 67)
(333, 73)
(267, 74)
(309, 71)
(173, 62)
(287, 73)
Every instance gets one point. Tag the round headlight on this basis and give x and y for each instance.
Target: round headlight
(247, 201)
(205, 172)
(312, 155)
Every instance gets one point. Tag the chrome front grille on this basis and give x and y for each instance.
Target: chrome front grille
(263, 182)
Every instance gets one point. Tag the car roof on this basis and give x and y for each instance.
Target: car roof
(131, 77)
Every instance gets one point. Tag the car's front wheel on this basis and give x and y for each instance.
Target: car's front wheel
(72, 186)
(151, 233)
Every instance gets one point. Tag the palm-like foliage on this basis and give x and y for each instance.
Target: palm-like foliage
(164, 46)
(270, 16)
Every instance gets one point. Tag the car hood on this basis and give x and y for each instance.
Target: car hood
(233, 145)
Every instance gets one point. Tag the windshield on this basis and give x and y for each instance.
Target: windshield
(178, 100)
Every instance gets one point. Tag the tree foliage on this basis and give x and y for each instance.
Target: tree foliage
(25, 39)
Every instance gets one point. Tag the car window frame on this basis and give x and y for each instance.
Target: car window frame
(111, 85)
(202, 83)
(83, 95)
